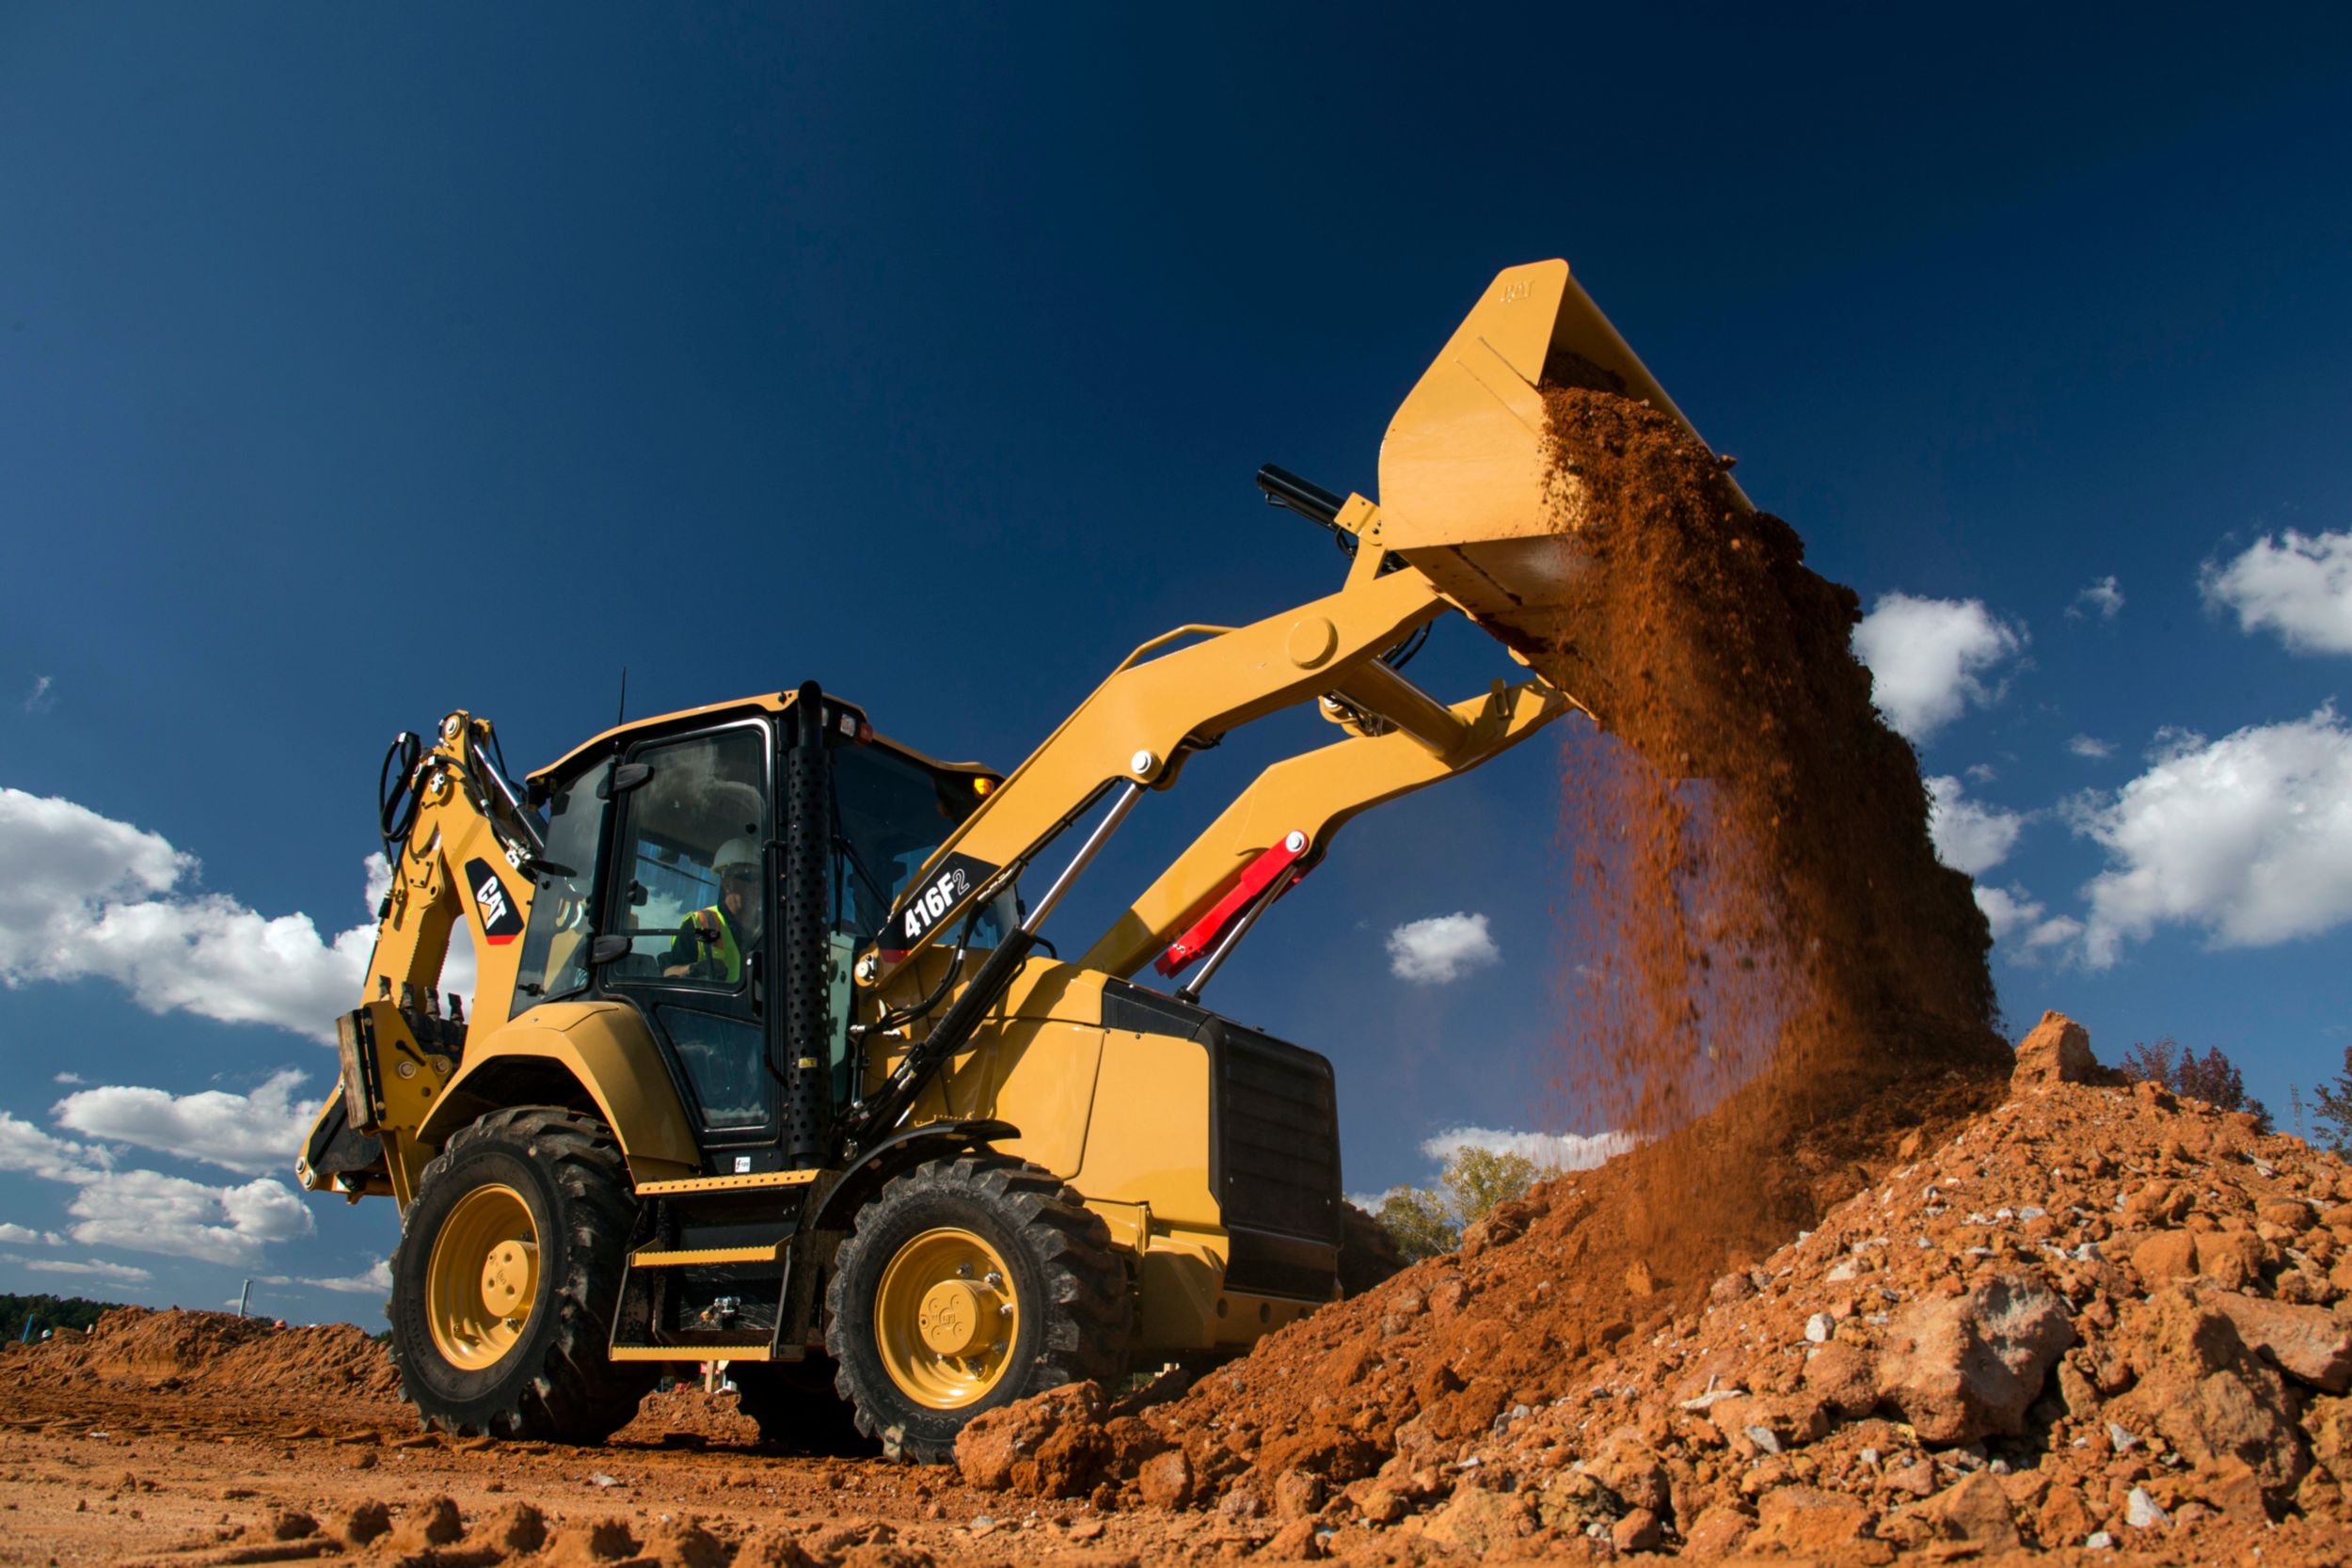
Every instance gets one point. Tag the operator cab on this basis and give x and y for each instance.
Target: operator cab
(661, 888)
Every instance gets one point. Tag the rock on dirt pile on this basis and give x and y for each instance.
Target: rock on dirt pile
(210, 1352)
(2093, 1311)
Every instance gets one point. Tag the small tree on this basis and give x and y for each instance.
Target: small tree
(1427, 1221)
(2212, 1078)
(1478, 1178)
(1416, 1220)
(2331, 1109)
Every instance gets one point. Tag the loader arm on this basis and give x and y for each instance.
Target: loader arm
(1474, 518)
(1311, 795)
(1139, 727)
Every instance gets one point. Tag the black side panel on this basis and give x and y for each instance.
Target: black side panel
(1136, 1010)
(1274, 1160)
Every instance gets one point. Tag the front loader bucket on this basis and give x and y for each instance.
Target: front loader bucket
(1467, 494)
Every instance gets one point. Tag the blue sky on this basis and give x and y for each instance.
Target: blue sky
(355, 366)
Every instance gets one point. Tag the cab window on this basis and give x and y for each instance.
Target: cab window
(687, 874)
(890, 815)
(555, 940)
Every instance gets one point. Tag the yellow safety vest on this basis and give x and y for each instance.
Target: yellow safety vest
(723, 945)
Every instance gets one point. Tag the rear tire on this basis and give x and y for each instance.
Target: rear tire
(505, 1278)
(969, 1283)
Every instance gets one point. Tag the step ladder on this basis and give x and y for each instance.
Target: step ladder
(714, 1280)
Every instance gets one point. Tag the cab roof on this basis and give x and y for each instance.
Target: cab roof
(765, 702)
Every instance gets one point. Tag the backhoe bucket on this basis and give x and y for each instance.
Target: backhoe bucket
(1467, 492)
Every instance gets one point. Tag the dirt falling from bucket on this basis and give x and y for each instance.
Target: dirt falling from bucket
(1765, 949)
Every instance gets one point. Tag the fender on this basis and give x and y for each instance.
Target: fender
(604, 1047)
(929, 1141)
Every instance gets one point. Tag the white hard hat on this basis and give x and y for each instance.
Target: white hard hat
(736, 851)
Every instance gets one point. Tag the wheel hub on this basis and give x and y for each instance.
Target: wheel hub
(482, 1277)
(951, 1318)
(945, 1318)
(510, 1277)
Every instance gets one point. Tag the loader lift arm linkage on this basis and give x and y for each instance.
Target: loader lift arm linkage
(1473, 519)
(1134, 732)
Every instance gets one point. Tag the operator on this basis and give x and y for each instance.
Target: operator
(715, 937)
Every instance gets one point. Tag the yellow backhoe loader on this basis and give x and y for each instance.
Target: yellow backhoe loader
(766, 1064)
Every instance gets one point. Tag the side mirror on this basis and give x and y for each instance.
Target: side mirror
(604, 950)
(636, 893)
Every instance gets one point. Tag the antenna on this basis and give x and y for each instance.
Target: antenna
(623, 717)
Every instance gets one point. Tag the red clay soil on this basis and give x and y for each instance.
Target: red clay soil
(2093, 1317)
(209, 1355)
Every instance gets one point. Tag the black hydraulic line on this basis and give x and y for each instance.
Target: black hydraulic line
(1286, 489)
(962, 1018)
(899, 1091)
(396, 794)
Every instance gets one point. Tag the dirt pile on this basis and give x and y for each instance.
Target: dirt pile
(209, 1352)
(683, 1415)
(2091, 1310)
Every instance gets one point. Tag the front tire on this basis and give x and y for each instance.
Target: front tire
(967, 1284)
(505, 1278)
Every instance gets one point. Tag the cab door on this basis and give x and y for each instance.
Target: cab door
(699, 961)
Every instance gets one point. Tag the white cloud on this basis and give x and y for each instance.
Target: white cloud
(1556, 1151)
(1981, 772)
(2007, 910)
(2300, 588)
(250, 1134)
(2249, 836)
(1441, 949)
(2020, 920)
(1969, 836)
(2103, 598)
(2091, 746)
(68, 1078)
(124, 1273)
(44, 695)
(371, 1281)
(92, 897)
(1930, 658)
(28, 1148)
(145, 1211)
(18, 1235)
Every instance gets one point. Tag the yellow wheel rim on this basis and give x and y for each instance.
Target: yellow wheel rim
(945, 1318)
(482, 1277)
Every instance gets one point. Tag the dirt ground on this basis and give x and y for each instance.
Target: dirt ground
(2092, 1321)
(110, 1473)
